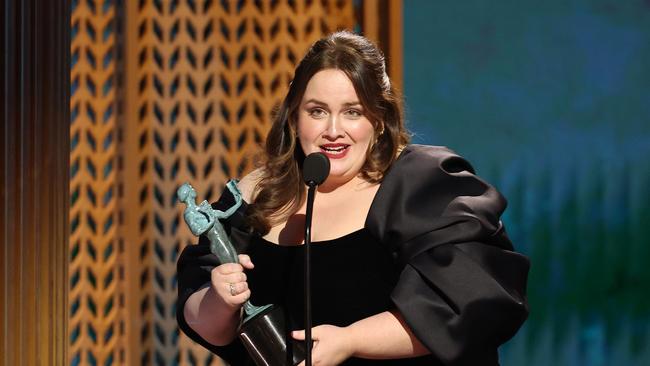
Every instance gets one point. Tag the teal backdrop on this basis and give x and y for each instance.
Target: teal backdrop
(550, 101)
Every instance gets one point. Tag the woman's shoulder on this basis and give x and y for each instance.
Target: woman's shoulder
(248, 184)
(426, 186)
(428, 149)
(419, 157)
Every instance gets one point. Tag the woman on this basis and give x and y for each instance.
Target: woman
(411, 265)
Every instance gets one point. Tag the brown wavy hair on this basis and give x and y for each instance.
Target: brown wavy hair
(280, 190)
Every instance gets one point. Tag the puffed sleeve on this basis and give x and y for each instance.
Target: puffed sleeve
(193, 270)
(462, 287)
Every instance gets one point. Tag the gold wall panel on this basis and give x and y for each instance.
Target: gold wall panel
(381, 21)
(165, 92)
(201, 81)
(94, 316)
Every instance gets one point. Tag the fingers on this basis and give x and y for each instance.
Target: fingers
(229, 282)
(241, 298)
(236, 288)
(219, 278)
(298, 335)
(233, 294)
(330, 344)
(233, 277)
(246, 261)
(228, 268)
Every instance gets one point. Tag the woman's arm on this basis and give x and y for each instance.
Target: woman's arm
(381, 336)
(213, 311)
(207, 316)
(462, 288)
(384, 335)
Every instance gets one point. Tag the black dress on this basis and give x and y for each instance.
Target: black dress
(433, 248)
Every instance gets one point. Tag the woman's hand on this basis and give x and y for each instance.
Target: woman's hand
(213, 312)
(229, 282)
(332, 345)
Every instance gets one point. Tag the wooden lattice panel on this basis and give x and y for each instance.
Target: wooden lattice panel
(93, 297)
(199, 101)
(198, 82)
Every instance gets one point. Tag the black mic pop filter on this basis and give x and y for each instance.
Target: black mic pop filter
(316, 168)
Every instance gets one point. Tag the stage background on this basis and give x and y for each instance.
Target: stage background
(164, 92)
(550, 101)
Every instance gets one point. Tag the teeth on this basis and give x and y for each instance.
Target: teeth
(334, 149)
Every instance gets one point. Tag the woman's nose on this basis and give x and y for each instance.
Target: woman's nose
(334, 128)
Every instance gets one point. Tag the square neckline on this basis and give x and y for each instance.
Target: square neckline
(319, 243)
(365, 221)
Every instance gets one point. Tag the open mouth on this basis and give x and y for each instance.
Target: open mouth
(334, 150)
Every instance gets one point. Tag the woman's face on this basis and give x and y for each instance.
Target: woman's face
(331, 120)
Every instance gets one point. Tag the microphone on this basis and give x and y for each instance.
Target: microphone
(315, 170)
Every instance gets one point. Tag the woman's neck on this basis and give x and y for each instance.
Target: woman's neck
(337, 184)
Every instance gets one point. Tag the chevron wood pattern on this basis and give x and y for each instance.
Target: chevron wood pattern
(164, 92)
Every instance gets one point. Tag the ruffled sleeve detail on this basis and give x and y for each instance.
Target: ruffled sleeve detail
(462, 287)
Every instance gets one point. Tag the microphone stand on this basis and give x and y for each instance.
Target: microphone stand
(316, 168)
(308, 215)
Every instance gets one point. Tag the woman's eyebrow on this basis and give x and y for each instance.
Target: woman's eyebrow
(347, 104)
(315, 101)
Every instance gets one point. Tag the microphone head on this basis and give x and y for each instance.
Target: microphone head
(315, 168)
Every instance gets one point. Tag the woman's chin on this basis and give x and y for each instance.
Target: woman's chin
(339, 177)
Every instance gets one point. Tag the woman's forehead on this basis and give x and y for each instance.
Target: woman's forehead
(330, 86)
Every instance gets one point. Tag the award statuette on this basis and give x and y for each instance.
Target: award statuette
(263, 331)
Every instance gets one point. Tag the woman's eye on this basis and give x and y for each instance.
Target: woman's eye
(317, 113)
(354, 113)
